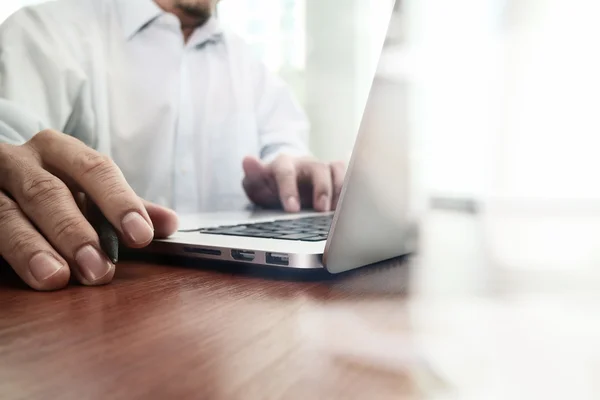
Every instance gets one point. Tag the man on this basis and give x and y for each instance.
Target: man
(155, 100)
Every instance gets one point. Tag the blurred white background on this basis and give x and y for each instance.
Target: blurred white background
(504, 93)
(326, 50)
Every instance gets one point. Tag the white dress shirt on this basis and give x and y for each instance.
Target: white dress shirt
(177, 118)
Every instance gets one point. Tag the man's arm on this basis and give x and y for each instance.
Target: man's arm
(283, 125)
(287, 174)
(44, 236)
(40, 81)
(17, 125)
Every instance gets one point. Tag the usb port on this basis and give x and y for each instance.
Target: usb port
(243, 255)
(278, 259)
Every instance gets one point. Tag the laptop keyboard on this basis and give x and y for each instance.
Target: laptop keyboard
(307, 229)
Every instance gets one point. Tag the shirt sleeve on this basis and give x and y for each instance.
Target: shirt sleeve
(17, 125)
(283, 126)
(38, 77)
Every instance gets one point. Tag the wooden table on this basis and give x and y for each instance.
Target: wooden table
(175, 331)
(476, 323)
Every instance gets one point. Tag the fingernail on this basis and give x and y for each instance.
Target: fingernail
(324, 203)
(92, 265)
(292, 204)
(44, 266)
(136, 227)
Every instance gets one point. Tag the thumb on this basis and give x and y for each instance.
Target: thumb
(164, 220)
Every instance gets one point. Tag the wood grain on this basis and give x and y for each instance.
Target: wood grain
(164, 331)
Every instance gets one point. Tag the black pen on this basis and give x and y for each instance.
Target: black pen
(109, 240)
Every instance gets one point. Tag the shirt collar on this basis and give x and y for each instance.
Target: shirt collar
(211, 31)
(136, 14)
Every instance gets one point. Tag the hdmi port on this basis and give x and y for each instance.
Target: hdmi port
(243, 255)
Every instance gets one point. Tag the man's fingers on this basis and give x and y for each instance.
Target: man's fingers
(165, 221)
(258, 183)
(50, 205)
(284, 171)
(320, 178)
(338, 174)
(28, 253)
(299, 181)
(99, 177)
(254, 170)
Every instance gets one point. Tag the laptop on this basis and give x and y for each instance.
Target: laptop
(371, 223)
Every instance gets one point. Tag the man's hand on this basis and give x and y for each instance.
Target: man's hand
(43, 234)
(294, 183)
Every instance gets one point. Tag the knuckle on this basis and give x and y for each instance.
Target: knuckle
(287, 174)
(283, 162)
(45, 136)
(41, 188)
(285, 171)
(6, 151)
(338, 169)
(321, 173)
(72, 229)
(15, 239)
(90, 162)
(7, 206)
(7, 155)
(282, 158)
(8, 210)
(338, 166)
(21, 241)
(105, 172)
(315, 168)
(116, 192)
(43, 141)
(321, 166)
